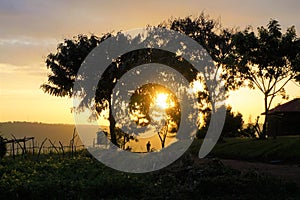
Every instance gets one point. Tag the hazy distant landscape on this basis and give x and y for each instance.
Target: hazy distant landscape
(40, 131)
(62, 133)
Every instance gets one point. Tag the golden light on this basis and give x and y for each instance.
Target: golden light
(197, 86)
(162, 101)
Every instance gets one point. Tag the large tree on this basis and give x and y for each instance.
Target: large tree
(267, 60)
(65, 63)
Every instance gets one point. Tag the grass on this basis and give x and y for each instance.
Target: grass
(284, 149)
(83, 177)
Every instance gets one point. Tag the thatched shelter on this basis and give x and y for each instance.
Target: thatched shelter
(284, 119)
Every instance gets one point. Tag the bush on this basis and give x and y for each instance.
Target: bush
(233, 124)
(249, 131)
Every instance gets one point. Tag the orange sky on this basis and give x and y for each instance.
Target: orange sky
(31, 29)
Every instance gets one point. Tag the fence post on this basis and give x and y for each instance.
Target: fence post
(13, 149)
(41, 147)
(32, 140)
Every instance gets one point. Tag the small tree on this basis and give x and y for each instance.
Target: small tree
(233, 123)
(232, 127)
(267, 61)
(252, 129)
(144, 98)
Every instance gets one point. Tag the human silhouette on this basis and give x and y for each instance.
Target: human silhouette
(148, 145)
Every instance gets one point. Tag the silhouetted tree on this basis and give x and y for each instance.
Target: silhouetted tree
(267, 61)
(140, 105)
(144, 97)
(233, 125)
(65, 63)
(123, 138)
(217, 41)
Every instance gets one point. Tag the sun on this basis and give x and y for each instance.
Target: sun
(163, 101)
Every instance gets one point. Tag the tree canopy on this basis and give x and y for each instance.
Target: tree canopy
(233, 126)
(267, 61)
(157, 104)
(65, 63)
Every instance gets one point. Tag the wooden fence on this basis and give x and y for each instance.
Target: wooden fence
(29, 146)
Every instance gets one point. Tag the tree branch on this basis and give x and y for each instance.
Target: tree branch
(256, 82)
(270, 102)
(281, 86)
(263, 82)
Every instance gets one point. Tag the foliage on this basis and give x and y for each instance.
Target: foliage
(249, 131)
(217, 41)
(253, 129)
(233, 123)
(83, 177)
(233, 126)
(123, 138)
(267, 61)
(143, 104)
(64, 64)
(143, 99)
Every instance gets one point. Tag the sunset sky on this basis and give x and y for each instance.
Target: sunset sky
(31, 29)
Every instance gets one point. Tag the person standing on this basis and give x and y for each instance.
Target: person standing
(148, 145)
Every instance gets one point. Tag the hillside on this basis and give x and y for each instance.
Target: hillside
(54, 132)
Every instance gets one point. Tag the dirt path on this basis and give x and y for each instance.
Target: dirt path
(287, 172)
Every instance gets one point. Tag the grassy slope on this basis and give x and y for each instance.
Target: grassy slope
(284, 149)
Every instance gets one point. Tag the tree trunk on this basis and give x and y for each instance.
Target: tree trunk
(124, 142)
(263, 135)
(112, 125)
(162, 140)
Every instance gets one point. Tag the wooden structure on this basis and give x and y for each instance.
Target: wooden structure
(20, 144)
(284, 119)
(28, 145)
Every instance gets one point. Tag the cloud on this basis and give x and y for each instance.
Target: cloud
(19, 42)
(58, 19)
(31, 29)
(50, 18)
(25, 50)
(22, 71)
